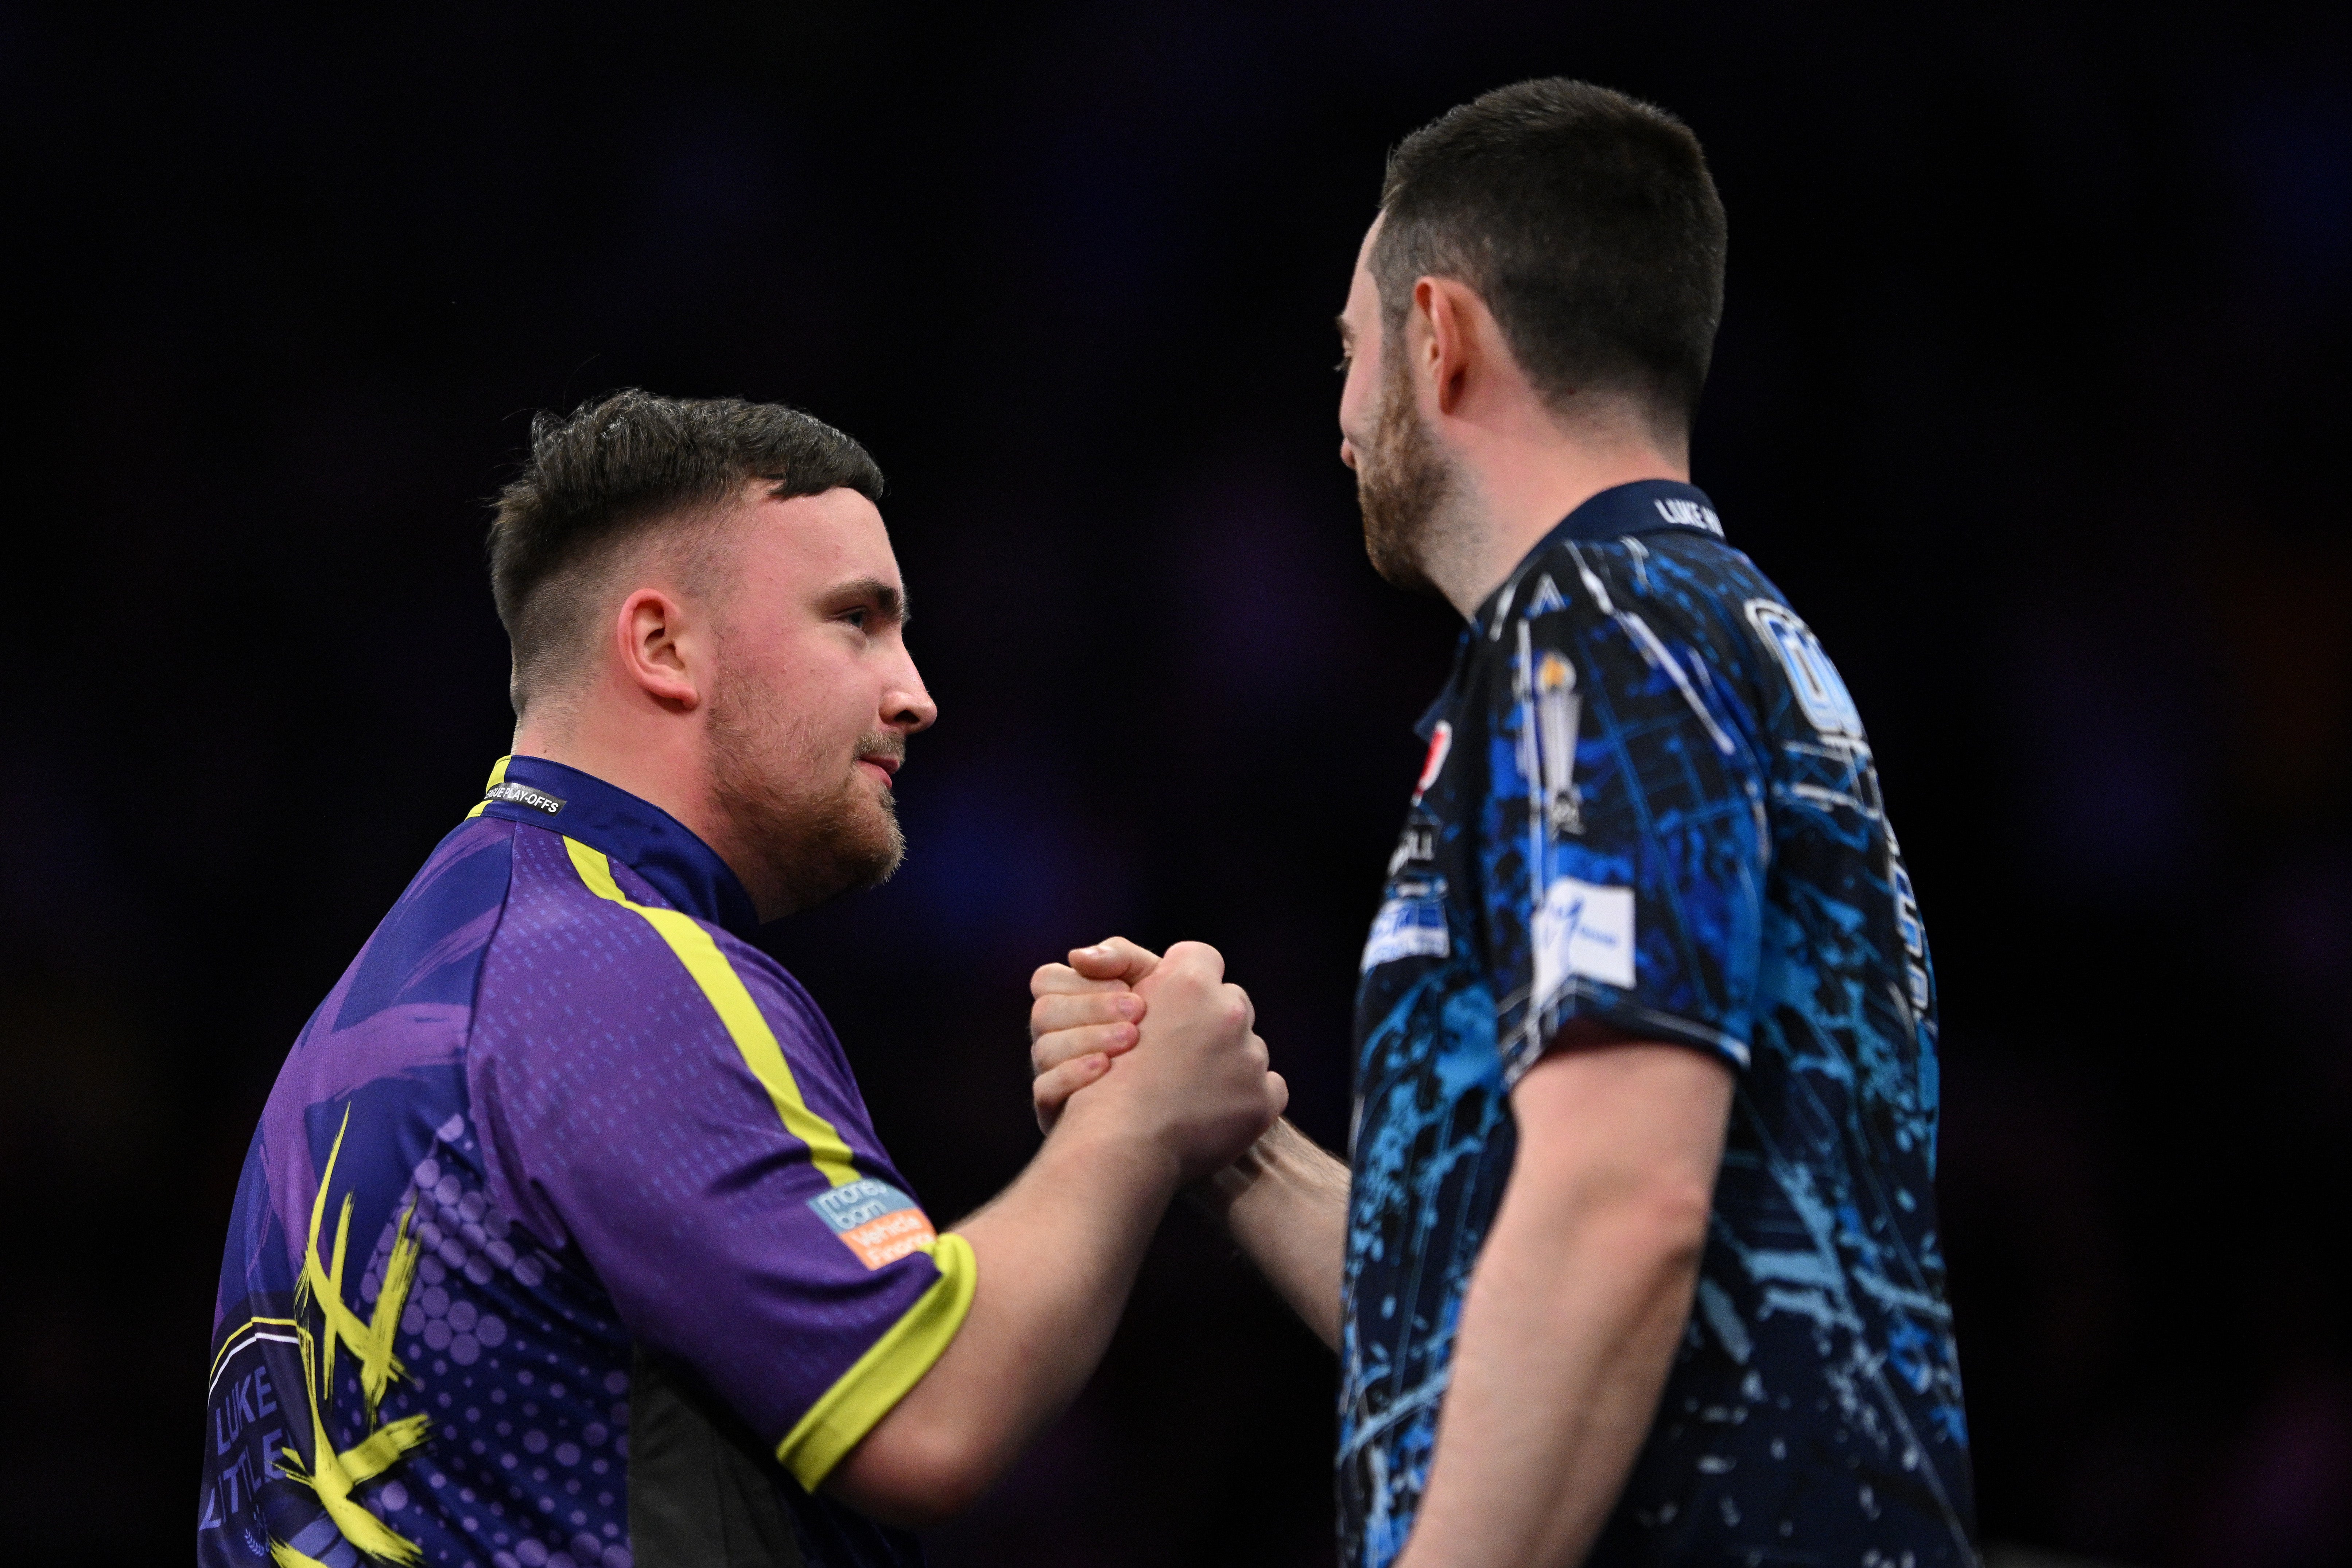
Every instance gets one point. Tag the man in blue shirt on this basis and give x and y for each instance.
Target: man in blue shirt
(1635, 1256)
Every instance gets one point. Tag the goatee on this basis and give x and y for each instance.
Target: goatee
(795, 849)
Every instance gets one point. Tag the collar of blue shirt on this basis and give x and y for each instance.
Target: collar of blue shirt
(1643, 507)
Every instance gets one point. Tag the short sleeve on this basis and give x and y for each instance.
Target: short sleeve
(677, 1113)
(1624, 842)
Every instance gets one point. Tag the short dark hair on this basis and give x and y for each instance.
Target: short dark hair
(620, 466)
(1587, 222)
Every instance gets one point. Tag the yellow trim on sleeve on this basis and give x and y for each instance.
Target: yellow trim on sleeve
(724, 989)
(498, 776)
(881, 1377)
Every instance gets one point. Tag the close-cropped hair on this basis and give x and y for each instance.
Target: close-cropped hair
(1587, 222)
(620, 469)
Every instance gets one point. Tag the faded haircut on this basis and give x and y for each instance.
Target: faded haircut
(618, 471)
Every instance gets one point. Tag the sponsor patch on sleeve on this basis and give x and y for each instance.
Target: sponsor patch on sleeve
(1406, 929)
(875, 1220)
(1584, 930)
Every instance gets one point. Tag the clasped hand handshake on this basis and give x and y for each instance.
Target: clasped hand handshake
(1164, 1048)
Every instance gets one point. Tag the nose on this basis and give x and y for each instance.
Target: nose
(906, 705)
(1347, 452)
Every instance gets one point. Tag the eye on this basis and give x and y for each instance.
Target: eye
(857, 617)
(1345, 359)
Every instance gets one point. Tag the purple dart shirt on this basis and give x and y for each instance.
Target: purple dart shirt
(559, 1133)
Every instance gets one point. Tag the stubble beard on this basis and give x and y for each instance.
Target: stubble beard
(1404, 486)
(796, 846)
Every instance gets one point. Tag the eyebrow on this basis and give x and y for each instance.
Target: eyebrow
(892, 602)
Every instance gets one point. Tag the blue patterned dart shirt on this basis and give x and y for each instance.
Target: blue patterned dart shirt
(1648, 801)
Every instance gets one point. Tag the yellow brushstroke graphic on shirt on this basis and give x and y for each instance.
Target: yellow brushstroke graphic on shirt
(332, 1474)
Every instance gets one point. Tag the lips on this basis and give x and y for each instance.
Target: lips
(888, 766)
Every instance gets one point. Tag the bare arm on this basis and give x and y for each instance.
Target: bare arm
(1057, 1253)
(1058, 1250)
(1284, 1202)
(1582, 1289)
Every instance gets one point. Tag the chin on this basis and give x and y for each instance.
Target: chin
(886, 851)
(800, 854)
(865, 848)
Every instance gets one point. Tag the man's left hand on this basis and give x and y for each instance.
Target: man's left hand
(1085, 1013)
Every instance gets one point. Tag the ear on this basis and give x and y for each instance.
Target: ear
(1444, 337)
(656, 646)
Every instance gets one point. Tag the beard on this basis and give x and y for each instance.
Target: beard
(1402, 483)
(796, 844)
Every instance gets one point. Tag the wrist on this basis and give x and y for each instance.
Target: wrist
(1128, 1155)
(1214, 1194)
(1282, 1157)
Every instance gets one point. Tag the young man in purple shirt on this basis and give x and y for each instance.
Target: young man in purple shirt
(565, 1239)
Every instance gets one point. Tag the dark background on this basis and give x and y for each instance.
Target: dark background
(2030, 393)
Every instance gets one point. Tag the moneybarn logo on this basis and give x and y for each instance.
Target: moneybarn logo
(875, 1220)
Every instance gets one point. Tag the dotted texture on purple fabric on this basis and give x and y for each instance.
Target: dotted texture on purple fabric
(526, 1078)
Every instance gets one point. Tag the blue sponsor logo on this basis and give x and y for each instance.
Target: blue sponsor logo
(859, 1203)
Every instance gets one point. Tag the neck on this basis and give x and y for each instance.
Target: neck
(652, 754)
(1515, 486)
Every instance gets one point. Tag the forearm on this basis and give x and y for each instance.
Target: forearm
(1566, 1339)
(1285, 1203)
(1057, 1253)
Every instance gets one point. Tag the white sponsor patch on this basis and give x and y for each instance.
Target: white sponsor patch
(1819, 690)
(1406, 929)
(1584, 930)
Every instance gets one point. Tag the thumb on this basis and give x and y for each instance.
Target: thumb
(1114, 958)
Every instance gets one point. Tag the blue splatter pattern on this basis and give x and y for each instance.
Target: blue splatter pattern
(1650, 802)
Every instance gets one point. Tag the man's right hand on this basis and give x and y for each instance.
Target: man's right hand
(1191, 1077)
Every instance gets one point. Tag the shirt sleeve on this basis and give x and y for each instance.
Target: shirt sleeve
(1624, 842)
(683, 1121)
